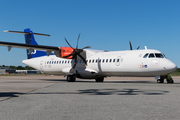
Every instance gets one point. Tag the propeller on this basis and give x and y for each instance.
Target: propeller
(131, 46)
(76, 52)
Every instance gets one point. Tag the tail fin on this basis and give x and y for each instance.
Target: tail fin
(29, 39)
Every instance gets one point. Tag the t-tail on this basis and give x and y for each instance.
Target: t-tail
(30, 40)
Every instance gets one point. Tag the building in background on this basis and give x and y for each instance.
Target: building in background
(7, 70)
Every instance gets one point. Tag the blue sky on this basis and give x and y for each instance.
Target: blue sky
(103, 24)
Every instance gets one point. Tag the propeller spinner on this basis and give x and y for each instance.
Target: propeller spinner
(76, 52)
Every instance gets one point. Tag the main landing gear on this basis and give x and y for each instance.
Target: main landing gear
(71, 78)
(99, 79)
(167, 77)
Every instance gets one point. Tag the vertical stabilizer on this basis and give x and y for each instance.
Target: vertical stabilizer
(29, 39)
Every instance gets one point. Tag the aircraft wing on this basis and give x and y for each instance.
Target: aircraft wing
(48, 49)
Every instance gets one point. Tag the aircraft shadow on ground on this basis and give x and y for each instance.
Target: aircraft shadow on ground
(94, 92)
(10, 94)
(122, 92)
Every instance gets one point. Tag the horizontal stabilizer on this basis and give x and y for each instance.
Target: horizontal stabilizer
(25, 32)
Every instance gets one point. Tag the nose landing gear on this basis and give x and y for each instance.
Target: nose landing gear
(71, 78)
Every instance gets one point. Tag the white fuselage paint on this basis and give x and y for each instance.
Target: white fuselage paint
(127, 63)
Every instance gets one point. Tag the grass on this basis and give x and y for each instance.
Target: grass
(176, 73)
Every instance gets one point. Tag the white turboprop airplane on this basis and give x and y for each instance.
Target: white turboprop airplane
(93, 64)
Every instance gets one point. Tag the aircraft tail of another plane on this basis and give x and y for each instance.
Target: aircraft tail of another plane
(29, 39)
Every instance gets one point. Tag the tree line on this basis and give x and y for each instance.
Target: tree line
(18, 67)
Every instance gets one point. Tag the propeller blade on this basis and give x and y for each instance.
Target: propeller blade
(87, 47)
(68, 43)
(78, 40)
(130, 45)
(138, 47)
(84, 60)
(75, 62)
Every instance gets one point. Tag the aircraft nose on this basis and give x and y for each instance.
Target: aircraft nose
(171, 66)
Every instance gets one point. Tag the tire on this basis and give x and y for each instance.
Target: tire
(71, 78)
(100, 79)
(160, 81)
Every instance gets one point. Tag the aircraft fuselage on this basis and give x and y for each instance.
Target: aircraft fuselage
(114, 63)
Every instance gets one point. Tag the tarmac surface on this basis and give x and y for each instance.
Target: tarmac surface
(117, 98)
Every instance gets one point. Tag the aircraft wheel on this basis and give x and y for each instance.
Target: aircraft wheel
(160, 81)
(71, 78)
(99, 79)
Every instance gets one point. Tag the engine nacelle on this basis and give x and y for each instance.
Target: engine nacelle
(65, 51)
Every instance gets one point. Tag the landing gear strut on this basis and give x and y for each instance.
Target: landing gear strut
(71, 78)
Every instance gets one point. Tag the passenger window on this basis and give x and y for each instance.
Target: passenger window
(106, 60)
(99, 60)
(117, 60)
(59, 62)
(145, 56)
(114, 60)
(54, 62)
(103, 61)
(151, 55)
(92, 61)
(159, 55)
(89, 61)
(96, 61)
(62, 62)
(110, 60)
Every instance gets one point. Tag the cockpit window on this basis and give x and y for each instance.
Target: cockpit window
(151, 55)
(145, 56)
(159, 55)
